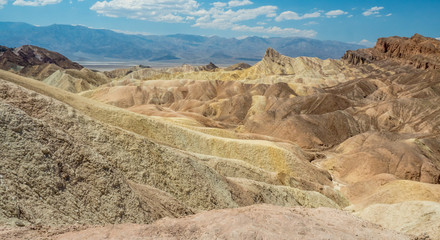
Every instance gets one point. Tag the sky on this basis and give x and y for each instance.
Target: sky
(354, 21)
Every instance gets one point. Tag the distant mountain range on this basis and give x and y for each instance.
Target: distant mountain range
(81, 43)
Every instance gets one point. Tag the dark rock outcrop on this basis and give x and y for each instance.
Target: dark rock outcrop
(418, 51)
(238, 66)
(27, 56)
(210, 67)
(361, 56)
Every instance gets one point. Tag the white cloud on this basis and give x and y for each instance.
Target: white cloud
(2, 3)
(237, 3)
(289, 15)
(310, 23)
(225, 19)
(219, 4)
(151, 10)
(271, 15)
(372, 11)
(335, 13)
(291, 32)
(221, 15)
(170, 18)
(365, 42)
(350, 16)
(35, 3)
(217, 18)
(389, 14)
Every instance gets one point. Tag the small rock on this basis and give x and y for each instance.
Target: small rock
(17, 129)
(45, 150)
(19, 223)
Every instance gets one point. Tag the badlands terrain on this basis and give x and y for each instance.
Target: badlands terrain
(289, 148)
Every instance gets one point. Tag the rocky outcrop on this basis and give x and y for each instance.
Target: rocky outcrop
(238, 66)
(360, 56)
(28, 56)
(422, 52)
(418, 51)
(210, 67)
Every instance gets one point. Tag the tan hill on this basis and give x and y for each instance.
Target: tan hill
(50, 67)
(76, 80)
(273, 63)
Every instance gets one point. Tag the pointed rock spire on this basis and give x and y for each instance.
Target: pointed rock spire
(272, 54)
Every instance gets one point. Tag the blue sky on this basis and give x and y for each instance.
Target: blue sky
(356, 21)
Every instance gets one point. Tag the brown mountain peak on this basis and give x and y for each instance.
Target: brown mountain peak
(417, 36)
(419, 51)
